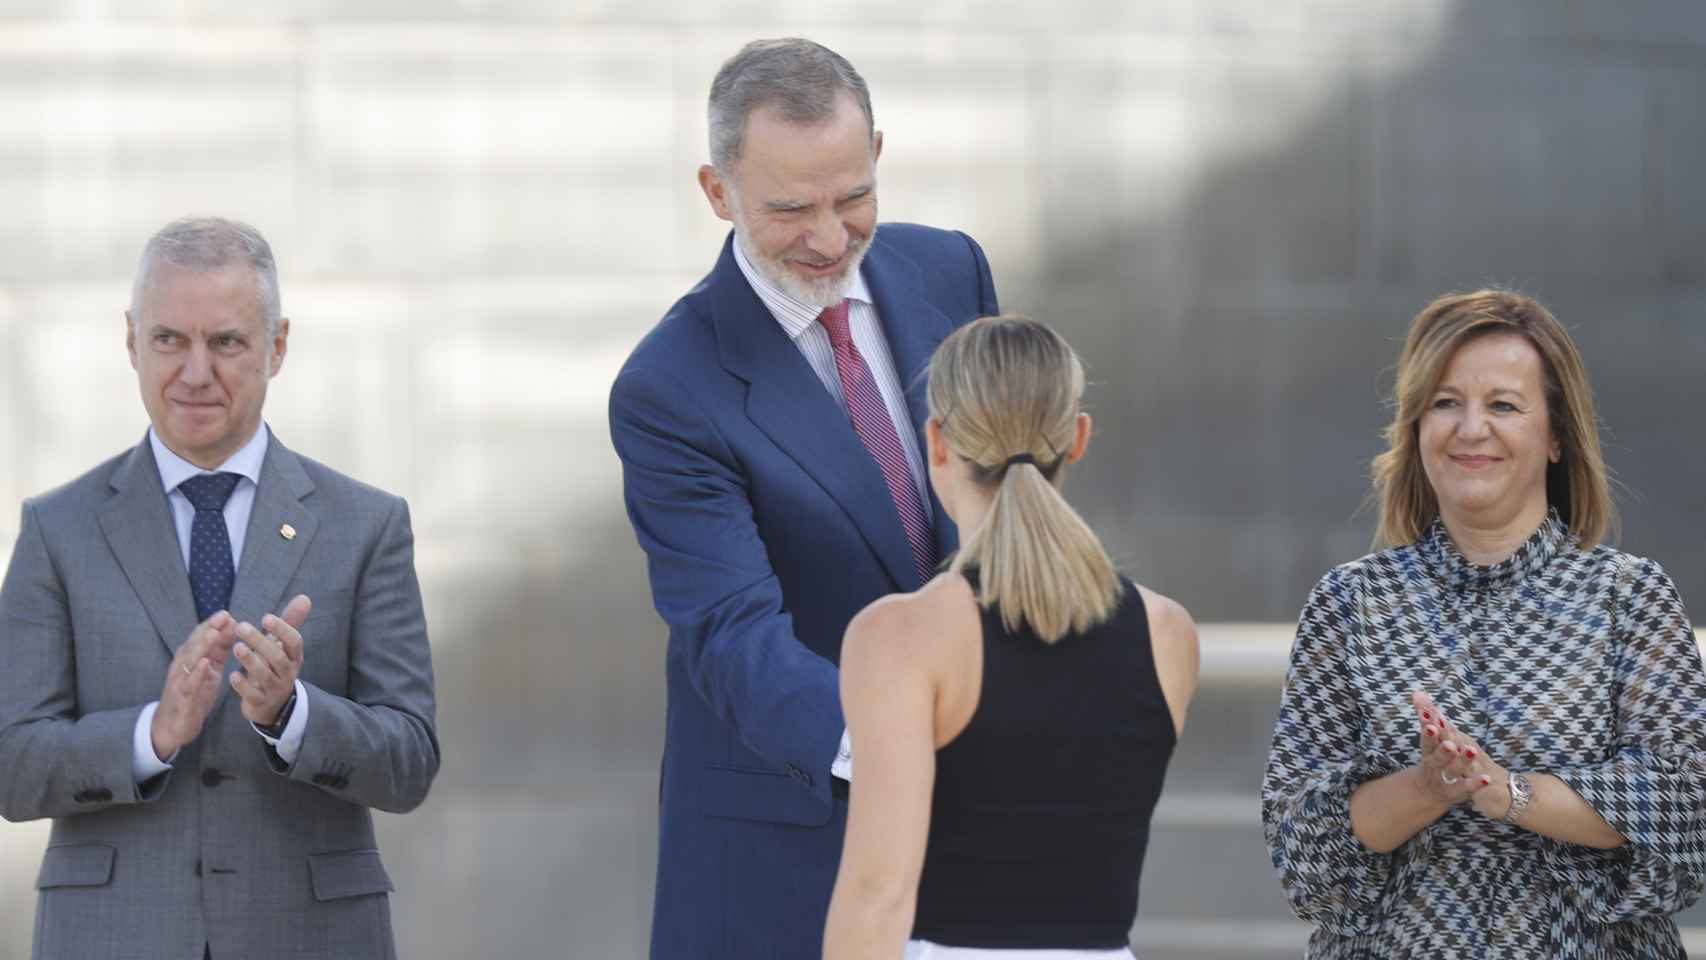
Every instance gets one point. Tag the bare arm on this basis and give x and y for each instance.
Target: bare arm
(1173, 638)
(1407, 800)
(1388, 811)
(1556, 811)
(888, 693)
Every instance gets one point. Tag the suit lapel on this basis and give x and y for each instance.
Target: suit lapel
(270, 558)
(914, 329)
(137, 522)
(786, 400)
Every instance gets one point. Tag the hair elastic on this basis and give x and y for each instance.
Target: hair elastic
(1021, 458)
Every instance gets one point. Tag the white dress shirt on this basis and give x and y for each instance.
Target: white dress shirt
(799, 322)
(174, 470)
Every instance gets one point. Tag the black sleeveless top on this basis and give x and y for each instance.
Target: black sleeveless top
(1041, 810)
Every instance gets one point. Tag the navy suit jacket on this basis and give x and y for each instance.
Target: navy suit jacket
(766, 526)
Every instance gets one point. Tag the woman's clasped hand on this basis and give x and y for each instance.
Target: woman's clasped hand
(1454, 768)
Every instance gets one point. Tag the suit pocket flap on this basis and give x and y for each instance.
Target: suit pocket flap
(760, 795)
(76, 865)
(352, 874)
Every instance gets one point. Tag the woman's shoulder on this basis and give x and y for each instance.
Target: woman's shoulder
(1350, 576)
(905, 621)
(1172, 629)
(1625, 573)
(1605, 558)
(1173, 649)
(1168, 618)
(1386, 568)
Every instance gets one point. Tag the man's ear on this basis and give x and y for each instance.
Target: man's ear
(280, 345)
(130, 339)
(716, 192)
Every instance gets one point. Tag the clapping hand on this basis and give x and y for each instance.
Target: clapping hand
(271, 659)
(192, 682)
(1454, 768)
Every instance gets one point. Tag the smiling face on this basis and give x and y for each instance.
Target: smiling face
(1486, 437)
(202, 356)
(803, 199)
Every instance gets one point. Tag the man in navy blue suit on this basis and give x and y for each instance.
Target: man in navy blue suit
(770, 431)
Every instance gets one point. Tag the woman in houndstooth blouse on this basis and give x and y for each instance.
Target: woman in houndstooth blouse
(1493, 737)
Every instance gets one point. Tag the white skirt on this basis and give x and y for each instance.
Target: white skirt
(925, 950)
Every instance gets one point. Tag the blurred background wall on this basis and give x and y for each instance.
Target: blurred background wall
(1232, 207)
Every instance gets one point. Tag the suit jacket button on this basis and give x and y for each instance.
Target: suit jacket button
(211, 777)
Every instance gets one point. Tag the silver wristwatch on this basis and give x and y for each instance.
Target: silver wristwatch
(1521, 793)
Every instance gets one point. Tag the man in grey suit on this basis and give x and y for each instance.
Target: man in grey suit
(214, 655)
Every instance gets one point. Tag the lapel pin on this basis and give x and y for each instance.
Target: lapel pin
(287, 531)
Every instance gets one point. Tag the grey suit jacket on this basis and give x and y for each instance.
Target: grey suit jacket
(232, 847)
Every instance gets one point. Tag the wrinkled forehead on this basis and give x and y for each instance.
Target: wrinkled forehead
(837, 151)
(188, 297)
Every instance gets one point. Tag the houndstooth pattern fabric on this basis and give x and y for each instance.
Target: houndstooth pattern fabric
(1580, 664)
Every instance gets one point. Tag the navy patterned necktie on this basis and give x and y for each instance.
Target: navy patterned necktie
(212, 569)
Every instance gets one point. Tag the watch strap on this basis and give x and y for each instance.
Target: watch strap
(275, 730)
(1522, 791)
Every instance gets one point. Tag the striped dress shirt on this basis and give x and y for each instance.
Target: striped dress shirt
(799, 322)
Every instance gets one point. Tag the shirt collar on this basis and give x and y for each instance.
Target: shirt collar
(1440, 552)
(245, 462)
(795, 317)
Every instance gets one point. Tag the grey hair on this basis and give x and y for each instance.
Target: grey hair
(208, 243)
(799, 78)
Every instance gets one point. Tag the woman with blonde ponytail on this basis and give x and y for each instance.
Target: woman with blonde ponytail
(1013, 718)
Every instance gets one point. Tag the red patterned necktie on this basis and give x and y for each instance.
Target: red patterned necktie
(871, 422)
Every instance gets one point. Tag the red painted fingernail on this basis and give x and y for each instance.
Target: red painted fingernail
(1469, 753)
(1432, 732)
(1426, 715)
(1485, 780)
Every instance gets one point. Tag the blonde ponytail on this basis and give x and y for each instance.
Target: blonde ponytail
(1005, 391)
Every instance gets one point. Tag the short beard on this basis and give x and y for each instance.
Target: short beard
(821, 293)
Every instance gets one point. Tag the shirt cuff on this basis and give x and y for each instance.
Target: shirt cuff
(843, 765)
(288, 743)
(144, 764)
